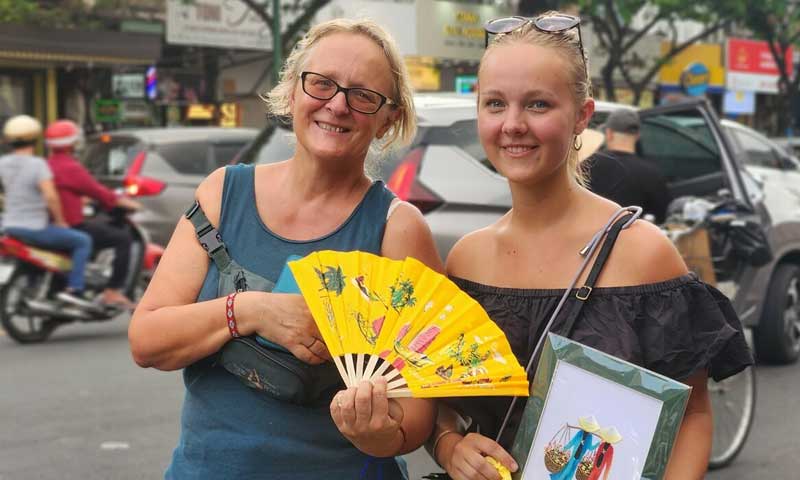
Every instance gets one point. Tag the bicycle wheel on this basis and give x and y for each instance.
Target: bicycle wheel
(733, 402)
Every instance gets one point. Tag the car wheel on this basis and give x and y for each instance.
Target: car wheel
(777, 338)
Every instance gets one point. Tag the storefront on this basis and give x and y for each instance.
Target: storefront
(50, 73)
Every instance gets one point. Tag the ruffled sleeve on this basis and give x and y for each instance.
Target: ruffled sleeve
(690, 328)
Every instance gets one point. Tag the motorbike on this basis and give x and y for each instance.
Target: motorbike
(31, 276)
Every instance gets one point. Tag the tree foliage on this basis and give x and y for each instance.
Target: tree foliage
(778, 23)
(620, 25)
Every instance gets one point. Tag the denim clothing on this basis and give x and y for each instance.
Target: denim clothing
(52, 237)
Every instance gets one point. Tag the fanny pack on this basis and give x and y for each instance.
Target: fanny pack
(259, 363)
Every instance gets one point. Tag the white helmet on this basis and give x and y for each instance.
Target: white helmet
(22, 128)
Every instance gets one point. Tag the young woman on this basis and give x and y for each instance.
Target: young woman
(533, 102)
(345, 88)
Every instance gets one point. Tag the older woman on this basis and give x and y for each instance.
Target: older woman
(345, 88)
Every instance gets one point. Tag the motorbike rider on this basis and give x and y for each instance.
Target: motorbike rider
(73, 183)
(30, 195)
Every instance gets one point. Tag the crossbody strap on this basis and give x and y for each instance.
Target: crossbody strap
(583, 293)
(208, 236)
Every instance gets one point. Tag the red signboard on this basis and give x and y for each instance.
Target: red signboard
(754, 56)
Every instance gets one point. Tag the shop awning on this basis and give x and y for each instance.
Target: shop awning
(37, 44)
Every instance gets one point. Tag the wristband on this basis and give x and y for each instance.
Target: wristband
(230, 317)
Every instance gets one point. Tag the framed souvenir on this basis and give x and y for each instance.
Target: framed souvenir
(592, 416)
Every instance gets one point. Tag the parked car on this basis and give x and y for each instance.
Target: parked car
(161, 167)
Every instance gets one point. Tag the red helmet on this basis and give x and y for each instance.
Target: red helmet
(62, 134)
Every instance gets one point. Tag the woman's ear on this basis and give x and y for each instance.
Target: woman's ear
(583, 115)
(391, 119)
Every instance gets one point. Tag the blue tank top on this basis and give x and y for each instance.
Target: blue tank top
(229, 431)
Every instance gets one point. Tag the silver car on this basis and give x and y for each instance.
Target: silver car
(161, 167)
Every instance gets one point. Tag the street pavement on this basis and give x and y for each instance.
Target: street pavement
(77, 407)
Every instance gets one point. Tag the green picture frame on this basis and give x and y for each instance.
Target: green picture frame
(573, 379)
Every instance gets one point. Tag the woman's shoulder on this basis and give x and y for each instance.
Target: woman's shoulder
(463, 260)
(643, 255)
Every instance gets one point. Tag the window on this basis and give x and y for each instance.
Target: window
(110, 159)
(755, 151)
(681, 145)
(464, 135)
(190, 158)
(225, 152)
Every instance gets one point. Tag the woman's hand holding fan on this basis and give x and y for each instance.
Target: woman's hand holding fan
(407, 323)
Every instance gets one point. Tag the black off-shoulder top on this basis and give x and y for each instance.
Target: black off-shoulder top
(675, 328)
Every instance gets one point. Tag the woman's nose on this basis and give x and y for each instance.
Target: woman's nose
(514, 123)
(338, 104)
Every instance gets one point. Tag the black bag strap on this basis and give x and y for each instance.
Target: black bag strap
(208, 236)
(583, 293)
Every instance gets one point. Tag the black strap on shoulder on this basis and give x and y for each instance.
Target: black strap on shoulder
(583, 293)
(208, 236)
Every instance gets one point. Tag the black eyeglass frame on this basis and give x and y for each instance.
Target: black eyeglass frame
(535, 21)
(384, 99)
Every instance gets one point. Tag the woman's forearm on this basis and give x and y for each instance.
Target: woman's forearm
(173, 337)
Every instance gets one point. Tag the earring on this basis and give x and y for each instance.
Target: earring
(577, 143)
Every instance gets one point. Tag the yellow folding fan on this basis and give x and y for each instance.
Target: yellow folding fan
(402, 320)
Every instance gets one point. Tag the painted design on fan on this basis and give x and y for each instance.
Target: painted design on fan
(445, 373)
(326, 303)
(447, 310)
(332, 279)
(369, 331)
(365, 292)
(428, 306)
(466, 356)
(496, 355)
(414, 353)
(402, 294)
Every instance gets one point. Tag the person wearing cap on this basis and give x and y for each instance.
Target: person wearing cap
(619, 174)
(31, 201)
(74, 183)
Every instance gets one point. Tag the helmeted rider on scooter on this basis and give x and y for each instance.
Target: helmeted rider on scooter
(30, 195)
(73, 182)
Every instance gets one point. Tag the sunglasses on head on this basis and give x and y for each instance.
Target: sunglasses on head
(558, 23)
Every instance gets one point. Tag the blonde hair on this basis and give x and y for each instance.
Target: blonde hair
(404, 128)
(567, 44)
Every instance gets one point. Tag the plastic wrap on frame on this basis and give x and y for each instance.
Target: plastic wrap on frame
(672, 395)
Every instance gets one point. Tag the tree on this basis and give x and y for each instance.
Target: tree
(613, 25)
(302, 11)
(778, 23)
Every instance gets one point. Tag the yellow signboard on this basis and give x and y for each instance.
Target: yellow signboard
(424, 74)
(709, 54)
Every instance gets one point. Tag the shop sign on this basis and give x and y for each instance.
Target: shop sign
(707, 55)
(216, 23)
(199, 111)
(128, 85)
(229, 115)
(452, 29)
(751, 66)
(466, 83)
(694, 79)
(423, 74)
(107, 110)
(739, 102)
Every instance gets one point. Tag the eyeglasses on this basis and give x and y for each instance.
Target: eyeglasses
(558, 23)
(359, 99)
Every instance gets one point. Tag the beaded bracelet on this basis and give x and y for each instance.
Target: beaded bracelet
(230, 316)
